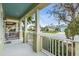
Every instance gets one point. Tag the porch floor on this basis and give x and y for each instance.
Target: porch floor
(17, 48)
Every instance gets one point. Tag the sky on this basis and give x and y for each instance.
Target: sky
(45, 18)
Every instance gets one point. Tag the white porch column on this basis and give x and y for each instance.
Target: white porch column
(36, 39)
(2, 37)
(25, 31)
(20, 31)
(17, 26)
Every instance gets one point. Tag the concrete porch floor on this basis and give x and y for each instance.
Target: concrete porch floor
(17, 48)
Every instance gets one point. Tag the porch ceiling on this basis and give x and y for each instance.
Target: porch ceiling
(17, 10)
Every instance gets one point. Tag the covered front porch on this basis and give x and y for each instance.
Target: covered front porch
(16, 39)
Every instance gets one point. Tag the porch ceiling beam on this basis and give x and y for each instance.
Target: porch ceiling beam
(39, 6)
(11, 20)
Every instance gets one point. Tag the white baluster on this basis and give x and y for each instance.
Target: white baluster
(55, 48)
(72, 48)
(66, 48)
(58, 47)
(50, 45)
(62, 49)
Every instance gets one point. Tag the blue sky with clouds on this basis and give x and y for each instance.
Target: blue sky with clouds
(44, 16)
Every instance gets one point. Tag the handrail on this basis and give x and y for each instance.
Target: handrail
(51, 36)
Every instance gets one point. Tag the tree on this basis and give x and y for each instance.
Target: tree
(63, 11)
(57, 29)
(67, 33)
(71, 30)
(30, 21)
(77, 24)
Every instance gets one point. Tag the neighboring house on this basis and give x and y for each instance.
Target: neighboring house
(49, 28)
(52, 28)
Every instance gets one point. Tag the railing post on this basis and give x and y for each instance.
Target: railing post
(77, 48)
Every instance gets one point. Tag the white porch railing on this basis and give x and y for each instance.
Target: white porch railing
(57, 47)
(30, 37)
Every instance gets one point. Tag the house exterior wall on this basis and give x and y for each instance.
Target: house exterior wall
(2, 27)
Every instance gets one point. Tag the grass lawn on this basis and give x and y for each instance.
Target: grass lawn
(54, 32)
